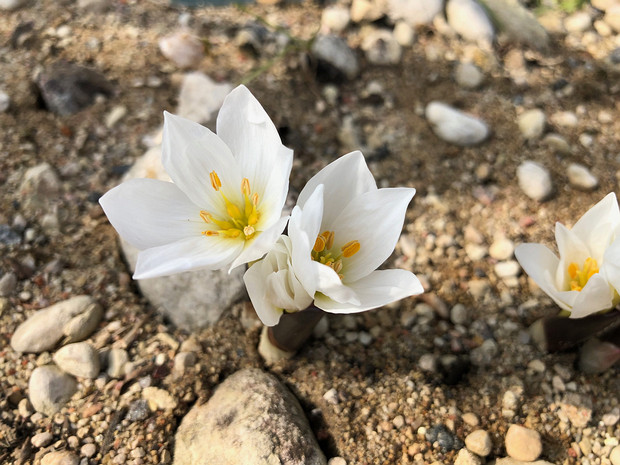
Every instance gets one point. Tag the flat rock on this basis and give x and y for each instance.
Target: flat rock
(414, 12)
(534, 180)
(523, 443)
(470, 21)
(68, 88)
(201, 97)
(189, 300)
(250, 419)
(78, 359)
(454, 126)
(50, 389)
(73, 319)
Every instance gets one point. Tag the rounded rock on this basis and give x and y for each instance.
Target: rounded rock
(465, 457)
(335, 19)
(523, 443)
(532, 123)
(336, 53)
(470, 21)
(534, 180)
(414, 12)
(454, 126)
(337, 461)
(614, 457)
(41, 439)
(61, 457)
(5, 101)
(502, 249)
(78, 359)
(468, 75)
(580, 177)
(50, 389)
(381, 48)
(182, 48)
(479, 442)
(404, 34)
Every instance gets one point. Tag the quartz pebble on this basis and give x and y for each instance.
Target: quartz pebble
(580, 177)
(404, 34)
(335, 19)
(507, 269)
(523, 443)
(479, 442)
(532, 123)
(534, 180)
(454, 126)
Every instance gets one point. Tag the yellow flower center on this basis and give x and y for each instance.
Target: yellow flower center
(239, 219)
(579, 277)
(322, 251)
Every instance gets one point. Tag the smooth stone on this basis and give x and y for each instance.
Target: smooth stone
(381, 48)
(414, 12)
(45, 328)
(41, 439)
(11, 4)
(5, 101)
(614, 457)
(557, 143)
(578, 22)
(337, 54)
(182, 48)
(336, 461)
(534, 180)
(511, 461)
(502, 249)
(612, 17)
(479, 442)
(8, 284)
(68, 88)
(454, 126)
(603, 5)
(335, 19)
(523, 443)
(566, 119)
(251, 419)
(189, 300)
(459, 315)
(532, 123)
(367, 10)
(61, 457)
(39, 188)
(470, 21)
(404, 34)
(580, 177)
(465, 457)
(201, 97)
(50, 389)
(468, 75)
(78, 359)
(117, 359)
(517, 23)
(597, 356)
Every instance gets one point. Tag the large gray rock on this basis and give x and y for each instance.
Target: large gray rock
(49, 389)
(74, 320)
(251, 419)
(189, 300)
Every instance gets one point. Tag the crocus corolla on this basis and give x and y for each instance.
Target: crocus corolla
(585, 279)
(342, 228)
(224, 206)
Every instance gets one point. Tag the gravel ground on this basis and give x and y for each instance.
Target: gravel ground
(404, 384)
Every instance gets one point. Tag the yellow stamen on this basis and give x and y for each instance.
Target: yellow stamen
(255, 199)
(329, 239)
(211, 233)
(206, 216)
(248, 231)
(245, 187)
(350, 249)
(580, 277)
(319, 244)
(215, 180)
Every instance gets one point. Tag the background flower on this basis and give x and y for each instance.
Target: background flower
(586, 277)
(225, 204)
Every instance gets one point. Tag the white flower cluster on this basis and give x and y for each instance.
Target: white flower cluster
(224, 209)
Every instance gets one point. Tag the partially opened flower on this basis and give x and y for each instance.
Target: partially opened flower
(224, 207)
(273, 286)
(341, 230)
(585, 279)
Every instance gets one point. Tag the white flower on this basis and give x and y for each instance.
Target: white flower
(273, 286)
(341, 230)
(225, 204)
(586, 277)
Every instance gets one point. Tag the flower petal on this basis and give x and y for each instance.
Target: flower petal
(150, 213)
(259, 246)
(245, 127)
(379, 288)
(331, 286)
(189, 254)
(375, 219)
(611, 264)
(596, 295)
(254, 279)
(344, 179)
(572, 250)
(541, 265)
(190, 152)
(598, 226)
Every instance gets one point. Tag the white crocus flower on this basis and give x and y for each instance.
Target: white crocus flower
(341, 230)
(586, 277)
(273, 286)
(224, 206)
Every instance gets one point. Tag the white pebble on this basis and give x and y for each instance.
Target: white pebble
(578, 22)
(534, 180)
(404, 34)
(502, 249)
(580, 177)
(182, 48)
(454, 126)
(470, 21)
(468, 75)
(507, 269)
(5, 101)
(335, 19)
(532, 123)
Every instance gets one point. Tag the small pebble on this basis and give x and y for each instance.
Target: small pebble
(523, 443)
(42, 439)
(507, 269)
(381, 47)
(5, 101)
(454, 126)
(404, 34)
(459, 314)
(336, 461)
(578, 22)
(158, 399)
(532, 123)
(534, 180)
(182, 48)
(335, 18)
(78, 359)
(614, 457)
(50, 389)
(63, 457)
(479, 442)
(470, 419)
(502, 249)
(117, 358)
(465, 457)
(88, 450)
(580, 177)
(331, 396)
(468, 75)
